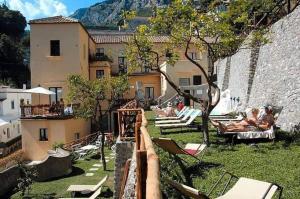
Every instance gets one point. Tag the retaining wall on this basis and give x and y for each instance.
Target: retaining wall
(269, 74)
(124, 151)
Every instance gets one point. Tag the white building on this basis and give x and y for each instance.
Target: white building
(10, 112)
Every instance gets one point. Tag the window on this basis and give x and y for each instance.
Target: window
(99, 74)
(149, 93)
(197, 80)
(145, 68)
(43, 134)
(184, 81)
(58, 94)
(77, 136)
(19, 129)
(8, 133)
(122, 65)
(100, 52)
(193, 55)
(12, 104)
(55, 48)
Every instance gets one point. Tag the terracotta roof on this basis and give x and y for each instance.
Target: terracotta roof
(56, 19)
(120, 38)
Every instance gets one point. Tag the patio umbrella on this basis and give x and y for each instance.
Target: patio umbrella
(40, 90)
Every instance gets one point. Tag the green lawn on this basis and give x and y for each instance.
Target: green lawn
(267, 161)
(59, 186)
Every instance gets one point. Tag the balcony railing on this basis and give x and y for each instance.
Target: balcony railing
(46, 111)
(100, 57)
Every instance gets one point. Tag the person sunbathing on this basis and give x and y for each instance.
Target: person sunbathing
(167, 112)
(247, 124)
(266, 121)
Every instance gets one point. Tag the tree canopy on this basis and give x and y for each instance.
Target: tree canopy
(206, 28)
(12, 51)
(12, 22)
(92, 95)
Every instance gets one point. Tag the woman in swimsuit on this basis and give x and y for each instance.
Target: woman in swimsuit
(244, 125)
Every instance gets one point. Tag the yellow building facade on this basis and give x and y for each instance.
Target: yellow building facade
(61, 46)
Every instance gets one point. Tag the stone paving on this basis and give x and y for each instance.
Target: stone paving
(96, 167)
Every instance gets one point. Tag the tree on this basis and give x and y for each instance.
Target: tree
(91, 94)
(12, 51)
(187, 26)
(25, 181)
(12, 22)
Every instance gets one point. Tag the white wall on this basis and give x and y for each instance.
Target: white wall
(6, 105)
(182, 69)
(9, 114)
(10, 131)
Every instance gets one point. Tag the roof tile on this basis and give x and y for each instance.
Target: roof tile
(55, 19)
(120, 38)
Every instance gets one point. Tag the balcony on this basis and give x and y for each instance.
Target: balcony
(99, 57)
(46, 111)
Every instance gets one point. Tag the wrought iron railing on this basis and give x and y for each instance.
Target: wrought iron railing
(46, 110)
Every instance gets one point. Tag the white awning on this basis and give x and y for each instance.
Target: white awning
(40, 90)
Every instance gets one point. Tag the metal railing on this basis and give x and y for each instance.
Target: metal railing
(70, 146)
(45, 110)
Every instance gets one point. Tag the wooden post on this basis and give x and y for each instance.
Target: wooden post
(137, 135)
(119, 123)
(141, 173)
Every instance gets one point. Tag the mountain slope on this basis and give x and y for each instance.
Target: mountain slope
(107, 13)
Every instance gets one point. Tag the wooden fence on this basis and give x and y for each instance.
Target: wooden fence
(127, 122)
(148, 169)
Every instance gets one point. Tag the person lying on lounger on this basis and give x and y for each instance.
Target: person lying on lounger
(167, 112)
(267, 119)
(248, 124)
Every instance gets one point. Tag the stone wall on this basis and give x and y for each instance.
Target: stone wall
(9, 180)
(269, 74)
(129, 191)
(124, 151)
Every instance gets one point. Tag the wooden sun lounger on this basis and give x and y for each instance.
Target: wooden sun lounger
(244, 188)
(191, 119)
(172, 147)
(248, 135)
(188, 124)
(185, 117)
(180, 115)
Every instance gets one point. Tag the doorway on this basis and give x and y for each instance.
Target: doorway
(187, 101)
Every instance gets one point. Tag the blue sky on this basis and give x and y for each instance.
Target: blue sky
(33, 9)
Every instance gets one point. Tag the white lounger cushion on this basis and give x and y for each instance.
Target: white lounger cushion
(246, 188)
(270, 134)
(199, 147)
(257, 134)
(192, 118)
